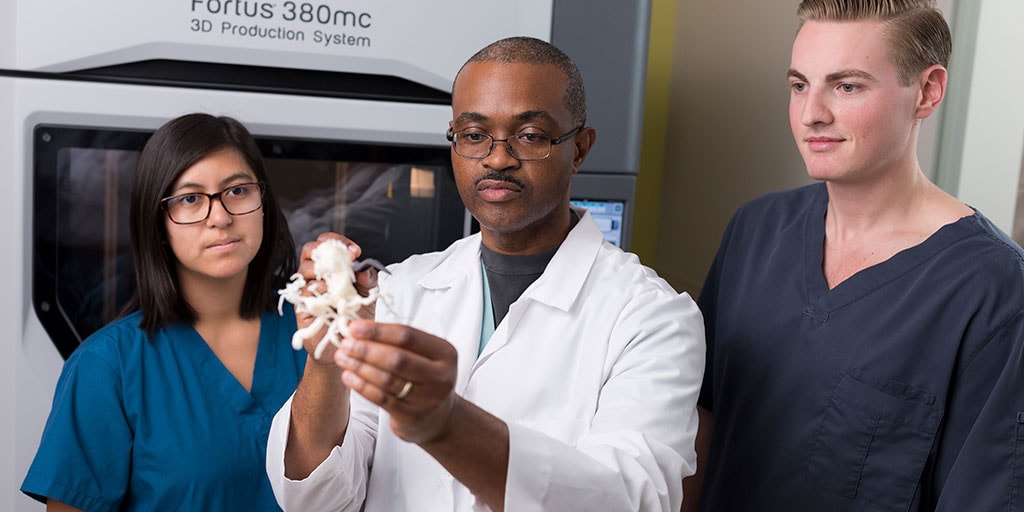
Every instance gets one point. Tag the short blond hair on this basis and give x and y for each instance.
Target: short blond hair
(918, 33)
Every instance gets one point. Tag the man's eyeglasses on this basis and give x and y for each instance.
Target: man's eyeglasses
(195, 206)
(522, 146)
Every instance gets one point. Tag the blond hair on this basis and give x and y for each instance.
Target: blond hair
(918, 34)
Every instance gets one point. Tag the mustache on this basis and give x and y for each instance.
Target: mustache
(500, 176)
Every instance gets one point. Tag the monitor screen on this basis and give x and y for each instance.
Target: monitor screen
(608, 215)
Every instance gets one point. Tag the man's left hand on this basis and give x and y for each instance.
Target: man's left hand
(407, 372)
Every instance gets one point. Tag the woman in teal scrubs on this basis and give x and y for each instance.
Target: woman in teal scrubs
(169, 407)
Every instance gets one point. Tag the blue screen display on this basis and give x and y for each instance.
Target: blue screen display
(608, 215)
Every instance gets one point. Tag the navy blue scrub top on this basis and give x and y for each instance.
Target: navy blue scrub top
(161, 424)
(902, 388)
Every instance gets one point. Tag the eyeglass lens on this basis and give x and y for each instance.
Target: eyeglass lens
(524, 146)
(195, 207)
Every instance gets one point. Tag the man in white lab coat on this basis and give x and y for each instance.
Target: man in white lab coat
(532, 366)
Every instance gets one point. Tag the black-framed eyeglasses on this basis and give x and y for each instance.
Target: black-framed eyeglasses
(195, 206)
(524, 146)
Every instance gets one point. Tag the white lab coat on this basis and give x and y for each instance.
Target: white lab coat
(595, 369)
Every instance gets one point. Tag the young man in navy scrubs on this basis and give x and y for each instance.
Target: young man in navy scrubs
(865, 332)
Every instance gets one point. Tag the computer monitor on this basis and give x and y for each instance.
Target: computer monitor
(608, 215)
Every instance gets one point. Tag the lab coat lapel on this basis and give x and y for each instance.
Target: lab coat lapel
(558, 287)
(455, 289)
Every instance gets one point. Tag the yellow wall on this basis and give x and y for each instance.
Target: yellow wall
(727, 138)
(652, 160)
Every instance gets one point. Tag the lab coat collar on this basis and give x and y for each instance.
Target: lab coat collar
(462, 263)
(561, 282)
(459, 279)
(558, 287)
(563, 279)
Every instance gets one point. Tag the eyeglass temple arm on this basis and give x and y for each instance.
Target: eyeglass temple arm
(368, 263)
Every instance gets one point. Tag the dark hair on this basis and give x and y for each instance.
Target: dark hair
(529, 50)
(918, 34)
(173, 148)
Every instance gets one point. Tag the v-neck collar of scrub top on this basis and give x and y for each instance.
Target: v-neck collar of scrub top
(822, 301)
(219, 380)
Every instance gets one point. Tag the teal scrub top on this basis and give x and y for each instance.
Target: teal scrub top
(161, 424)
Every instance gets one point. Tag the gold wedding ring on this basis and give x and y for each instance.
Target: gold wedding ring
(406, 389)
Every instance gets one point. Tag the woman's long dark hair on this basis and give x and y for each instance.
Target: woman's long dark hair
(173, 148)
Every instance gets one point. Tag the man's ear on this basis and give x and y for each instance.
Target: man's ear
(932, 83)
(584, 140)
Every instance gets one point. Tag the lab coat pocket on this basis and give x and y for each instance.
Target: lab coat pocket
(874, 440)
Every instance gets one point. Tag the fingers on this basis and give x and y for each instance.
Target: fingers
(399, 353)
(306, 257)
(403, 337)
(366, 280)
(378, 386)
(382, 358)
(312, 332)
(307, 248)
(302, 320)
(407, 372)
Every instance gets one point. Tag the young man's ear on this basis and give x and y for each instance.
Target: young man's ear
(932, 83)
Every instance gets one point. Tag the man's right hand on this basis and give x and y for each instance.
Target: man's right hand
(365, 280)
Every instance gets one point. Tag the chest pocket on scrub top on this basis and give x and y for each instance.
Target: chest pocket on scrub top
(874, 440)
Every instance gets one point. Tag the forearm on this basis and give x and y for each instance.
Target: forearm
(56, 506)
(319, 419)
(474, 448)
